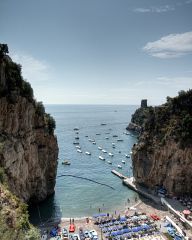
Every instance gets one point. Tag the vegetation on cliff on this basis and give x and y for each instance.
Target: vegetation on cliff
(14, 219)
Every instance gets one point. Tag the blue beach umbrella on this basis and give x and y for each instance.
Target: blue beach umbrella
(123, 219)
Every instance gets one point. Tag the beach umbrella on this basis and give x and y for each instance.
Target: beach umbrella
(135, 229)
(123, 219)
(114, 234)
(186, 212)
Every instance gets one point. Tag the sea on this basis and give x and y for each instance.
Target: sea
(87, 186)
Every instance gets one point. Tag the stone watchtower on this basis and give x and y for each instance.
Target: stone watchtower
(144, 103)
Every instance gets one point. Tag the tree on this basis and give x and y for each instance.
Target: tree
(3, 49)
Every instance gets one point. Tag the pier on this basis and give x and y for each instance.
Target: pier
(129, 182)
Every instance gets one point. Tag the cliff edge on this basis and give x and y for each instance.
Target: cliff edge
(163, 155)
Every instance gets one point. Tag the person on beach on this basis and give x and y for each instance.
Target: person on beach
(128, 200)
(70, 220)
(99, 210)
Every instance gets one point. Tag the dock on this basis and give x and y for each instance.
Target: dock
(129, 182)
(118, 174)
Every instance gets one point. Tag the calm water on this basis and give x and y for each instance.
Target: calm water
(77, 197)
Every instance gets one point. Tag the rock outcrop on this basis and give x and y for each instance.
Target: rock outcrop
(28, 147)
(163, 155)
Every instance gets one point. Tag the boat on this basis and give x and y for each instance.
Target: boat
(106, 138)
(119, 151)
(76, 129)
(123, 161)
(127, 156)
(111, 154)
(113, 146)
(78, 147)
(78, 150)
(88, 153)
(109, 162)
(131, 167)
(119, 140)
(131, 152)
(76, 143)
(103, 124)
(119, 166)
(91, 140)
(77, 138)
(86, 136)
(66, 162)
(102, 158)
(99, 148)
(94, 143)
(113, 143)
(115, 136)
(104, 151)
(98, 134)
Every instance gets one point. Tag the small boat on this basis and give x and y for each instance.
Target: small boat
(119, 140)
(113, 146)
(131, 152)
(94, 143)
(76, 143)
(98, 134)
(77, 138)
(91, 140)
(66, 162)
(103, 124)
(78, 147)
(111, 154)
(104, 151)
(119, 166)
(102, 158)
(86, 136)
(123, 161)
(99, 148)
(88, 153)
(109, 162)
(76, 129)
(78, 150)
(115, 136)
(106, 138)
(119, 151)
(127, 156)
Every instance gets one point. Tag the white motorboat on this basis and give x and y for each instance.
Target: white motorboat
(104, 151)
(78, 150)
(111, 154)
(78, 147)
(66, 162)
(127, 156)
(99, 148)
(88, 153)
(94, 143)
(119, 166)
(109, 162)
(131, 152)
(102, 158)
(113, 144)
(123, 161)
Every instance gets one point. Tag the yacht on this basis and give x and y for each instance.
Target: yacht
(76, 143)
(76, 129)
(98, 134)
(109, 162)
(77, 138)
(131, 152)
(102, 158)
(66, 162)
(94, 143)
(127, 156)
(88, 153)
(115, 136)
(104, 151)
(106, 138)
(111, 154)
(99, 148)
(119, 140)
(119, 166)
(103, 124)
(78, 150)
(123, 161)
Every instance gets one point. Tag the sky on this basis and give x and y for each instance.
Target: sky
(100, 51)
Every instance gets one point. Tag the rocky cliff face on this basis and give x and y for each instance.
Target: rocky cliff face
(28, 147)
(163, 155)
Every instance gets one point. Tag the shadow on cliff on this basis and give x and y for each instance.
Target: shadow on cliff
(44, 212)
(152, 204)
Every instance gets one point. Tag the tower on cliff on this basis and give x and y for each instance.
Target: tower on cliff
(144, 103)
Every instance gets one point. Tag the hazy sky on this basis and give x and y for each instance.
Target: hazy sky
(100, 51)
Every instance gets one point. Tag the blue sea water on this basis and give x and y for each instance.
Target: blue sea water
(76, 197)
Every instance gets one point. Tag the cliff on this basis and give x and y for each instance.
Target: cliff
(28, 147)
(163, 155)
